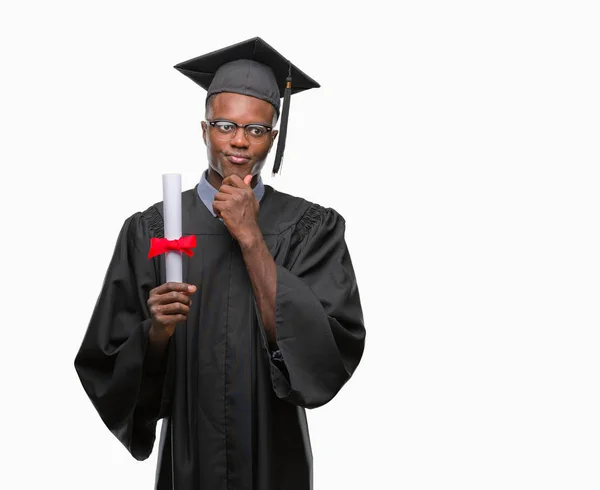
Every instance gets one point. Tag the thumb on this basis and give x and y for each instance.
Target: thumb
(248, 179)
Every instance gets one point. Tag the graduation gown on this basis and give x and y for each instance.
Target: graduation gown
(233, 409)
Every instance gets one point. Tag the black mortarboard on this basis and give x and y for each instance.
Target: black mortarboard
(252, 68)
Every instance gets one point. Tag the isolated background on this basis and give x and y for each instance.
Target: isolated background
(458, 139)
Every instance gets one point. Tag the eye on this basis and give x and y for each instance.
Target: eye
(224, 126)
(256, 131)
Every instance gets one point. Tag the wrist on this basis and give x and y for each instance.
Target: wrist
(158, 344)
(158, 336)
(251, 240)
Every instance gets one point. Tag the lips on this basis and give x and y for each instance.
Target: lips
(238, 159)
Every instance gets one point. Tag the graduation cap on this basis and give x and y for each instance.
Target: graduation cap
(251, 68)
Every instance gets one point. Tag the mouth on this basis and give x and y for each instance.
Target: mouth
(237, 159)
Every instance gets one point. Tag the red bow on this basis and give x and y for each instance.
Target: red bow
(161, 245)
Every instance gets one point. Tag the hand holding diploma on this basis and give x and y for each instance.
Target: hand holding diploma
(170, 302)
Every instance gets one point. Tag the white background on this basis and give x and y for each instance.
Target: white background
(460, 140)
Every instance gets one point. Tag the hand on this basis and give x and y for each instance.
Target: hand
(169, 304)
(237, 205)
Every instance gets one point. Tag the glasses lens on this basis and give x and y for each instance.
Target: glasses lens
(224, 130)
(256, 133)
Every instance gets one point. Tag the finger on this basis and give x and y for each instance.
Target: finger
(227, 189)
(222, 205)
(174, 297)
(162, 313)
(234, 181)
(173, 286)
(222, 196)
(248, 179)
(162, 300)
(219, 214)
(172, 309)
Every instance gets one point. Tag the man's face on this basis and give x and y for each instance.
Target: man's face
(238, 156)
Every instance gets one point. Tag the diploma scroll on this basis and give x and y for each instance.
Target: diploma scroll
(172, 219)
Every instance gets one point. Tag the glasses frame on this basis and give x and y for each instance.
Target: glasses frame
(213, 122)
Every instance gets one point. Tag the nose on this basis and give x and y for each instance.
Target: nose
(239, 140)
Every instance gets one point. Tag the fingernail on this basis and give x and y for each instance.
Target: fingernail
(191, 288)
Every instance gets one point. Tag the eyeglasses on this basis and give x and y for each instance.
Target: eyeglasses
(226, 131)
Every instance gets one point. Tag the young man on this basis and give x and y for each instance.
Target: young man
(267, 322)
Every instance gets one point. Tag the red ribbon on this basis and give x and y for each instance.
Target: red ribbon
(161, 245)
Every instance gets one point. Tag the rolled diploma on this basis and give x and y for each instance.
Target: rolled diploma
(172, 218)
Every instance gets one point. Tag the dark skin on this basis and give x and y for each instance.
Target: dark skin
(169, 304)
(242, 110)
(234, 167)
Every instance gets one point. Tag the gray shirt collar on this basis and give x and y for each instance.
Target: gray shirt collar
(207, 193)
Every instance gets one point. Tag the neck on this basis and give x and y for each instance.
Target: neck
(214, 178)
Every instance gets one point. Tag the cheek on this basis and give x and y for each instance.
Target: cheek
(263, 150)
(214, 147)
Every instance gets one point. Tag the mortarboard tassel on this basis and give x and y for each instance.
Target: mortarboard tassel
(284, 122)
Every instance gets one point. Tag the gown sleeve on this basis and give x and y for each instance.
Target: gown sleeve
(319, 323)
(125, 382)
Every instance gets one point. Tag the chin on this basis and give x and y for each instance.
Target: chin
(239, 170)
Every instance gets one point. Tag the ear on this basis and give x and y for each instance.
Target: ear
(274, 134)
(203, 131)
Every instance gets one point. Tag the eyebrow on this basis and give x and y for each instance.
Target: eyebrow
(224, 119)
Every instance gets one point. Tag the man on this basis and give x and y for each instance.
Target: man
(267, 322)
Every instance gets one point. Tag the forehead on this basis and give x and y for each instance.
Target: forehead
(241, 108)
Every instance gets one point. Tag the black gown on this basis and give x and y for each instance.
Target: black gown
(234, 409)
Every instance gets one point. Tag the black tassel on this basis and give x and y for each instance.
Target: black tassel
(285, 111)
